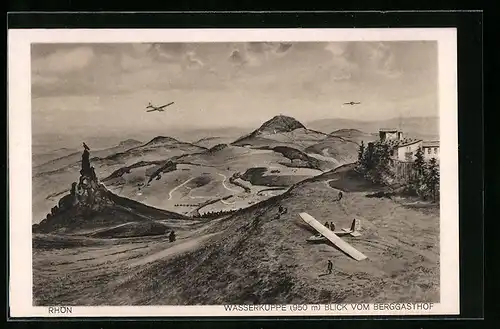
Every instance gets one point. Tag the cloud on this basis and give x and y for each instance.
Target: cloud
(63, 61)
(41, 79)
(369, 60)
(258, 53)
(382, 58)
(237, 57)
(192, 61)
(338, 64)
(268, 48)
(107, 68)
(260, 66)
(259, 47)
(283, 47)
(130, 63)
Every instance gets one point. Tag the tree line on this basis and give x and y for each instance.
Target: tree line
(214, 214)
(375, 164)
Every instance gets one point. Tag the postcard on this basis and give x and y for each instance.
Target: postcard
(233, 172)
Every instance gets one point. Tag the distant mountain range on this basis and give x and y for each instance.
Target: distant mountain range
(413, 126)
(279, 153)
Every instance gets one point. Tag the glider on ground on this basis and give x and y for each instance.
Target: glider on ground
(333, 237)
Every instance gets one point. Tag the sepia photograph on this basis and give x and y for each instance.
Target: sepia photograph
(295, 172)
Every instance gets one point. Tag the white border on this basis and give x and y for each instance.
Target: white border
(19, 82)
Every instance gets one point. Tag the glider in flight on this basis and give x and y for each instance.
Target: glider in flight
(352, 103)
(157, 108)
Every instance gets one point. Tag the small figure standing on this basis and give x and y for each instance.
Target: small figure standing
(340, 196)
(327, 225)
(93, 176)
(171, 237)
(281, 211)
(332, 226)
(330, 267)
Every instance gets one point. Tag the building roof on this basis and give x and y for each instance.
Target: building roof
(403, 142)
(388, 130)
(430, 144)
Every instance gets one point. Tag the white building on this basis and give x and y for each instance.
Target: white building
(431, 150)
(402, 149)
(405, 150)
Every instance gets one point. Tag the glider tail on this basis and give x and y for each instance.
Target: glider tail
(355, 225)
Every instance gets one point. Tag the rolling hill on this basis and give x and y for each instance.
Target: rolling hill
(41, 155)
(53, 179)
(415, 127)
(188, 182)
(255, 256)
(336, 149)
(154, 173)
(209, 142)
(354, 135)
(74, 157)
(159, 148)
(280, 131)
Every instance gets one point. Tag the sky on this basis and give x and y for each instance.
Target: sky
(94, 88)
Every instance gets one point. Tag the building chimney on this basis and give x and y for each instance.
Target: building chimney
(381, 135)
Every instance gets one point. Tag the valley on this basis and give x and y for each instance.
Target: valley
(110, 243)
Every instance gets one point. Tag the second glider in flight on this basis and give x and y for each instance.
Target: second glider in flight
(153, 108)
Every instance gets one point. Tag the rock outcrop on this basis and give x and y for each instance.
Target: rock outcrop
(90, 207)
(86, 196)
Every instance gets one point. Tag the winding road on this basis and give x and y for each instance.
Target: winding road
(178, 186)
(327, 182)
(227, 203)
(224, 183)
(170, 194)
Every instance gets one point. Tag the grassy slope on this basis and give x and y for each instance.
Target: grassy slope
(209, 142)
(300, 139)
(354, 135)
(121, 211)
(261, 259)
(401, 245)
(344, 151)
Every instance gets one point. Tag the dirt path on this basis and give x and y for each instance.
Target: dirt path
(224, 183)
(194, 197)
(173, 250)
(327, 182)
(178, 186)
(271, 190)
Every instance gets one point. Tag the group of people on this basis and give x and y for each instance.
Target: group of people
(330, 226)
